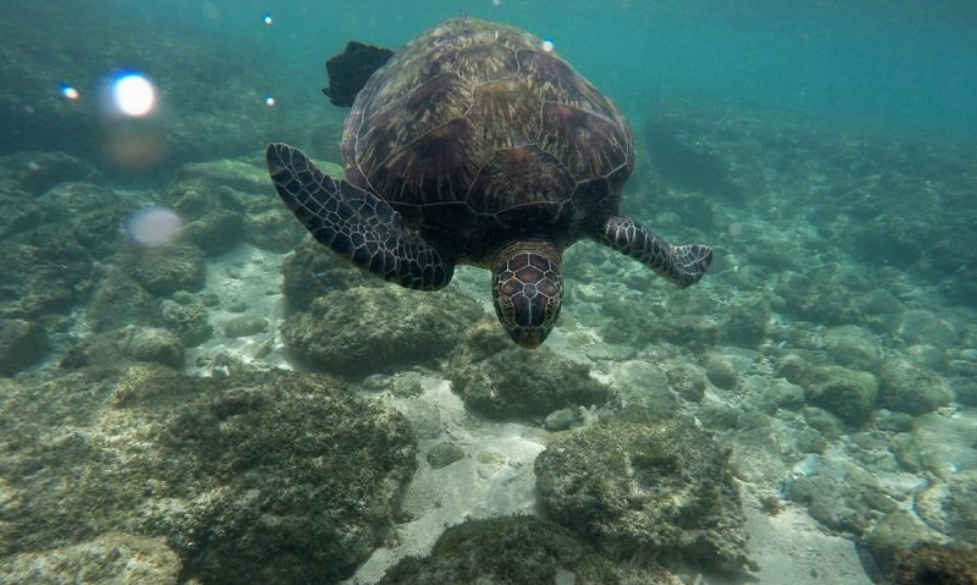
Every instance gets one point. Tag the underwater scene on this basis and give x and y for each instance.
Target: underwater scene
(517, 292)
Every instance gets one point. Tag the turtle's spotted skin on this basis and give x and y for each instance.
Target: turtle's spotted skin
(474, 145)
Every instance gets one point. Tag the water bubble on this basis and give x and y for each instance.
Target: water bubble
(154, 226)
(266, 18)
(547, 44)
(269, 100)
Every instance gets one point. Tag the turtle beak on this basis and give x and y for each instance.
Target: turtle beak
(527, 293)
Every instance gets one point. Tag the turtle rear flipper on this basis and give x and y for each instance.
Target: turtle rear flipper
(680, 265)
(349, 71)
(355, 223)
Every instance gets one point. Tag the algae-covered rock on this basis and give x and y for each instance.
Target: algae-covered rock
(644, 384)
(924, 327)
(271, 478)
(848, 394)
(905, 387)
(167, 269)
(644, 489)
(853, 346)
(893, 535)
(518, 550)
(274, 230)
(313, 270)
(22, 344)
(244, 325)
(949, 505)
(190, 321)
(360, 330)
(113, 558)
(500, 380)
(118, 300)
(444, 454)
(215, 233)
(840, 495)
(940, 564)
(112, 348)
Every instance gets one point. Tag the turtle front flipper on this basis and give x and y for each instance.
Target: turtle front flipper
(680, 265)
(355, 223)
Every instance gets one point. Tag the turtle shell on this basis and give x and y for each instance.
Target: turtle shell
(479, 136)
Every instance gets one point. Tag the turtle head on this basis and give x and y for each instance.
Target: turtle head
(527, 291)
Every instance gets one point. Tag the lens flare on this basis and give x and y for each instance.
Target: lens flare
(68, 91)
(133, 95)
(266, 18)
(154, 226)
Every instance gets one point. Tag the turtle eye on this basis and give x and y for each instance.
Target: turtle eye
(528, 293)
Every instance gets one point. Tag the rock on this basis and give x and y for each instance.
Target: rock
(271, 477)
(848, 394)
(949, 506)
(168, 269)
(905, 387)
(642, 384)
(500, 380)
(720, 370)
(156, 345)
(744, 320)
(945, 564)
(563, 419)
(840, 495)
(651, 489)
(118, 301)
(365, 329)
(245, 325)
(853, 347)
(114, 557)
(202, 84)
(444, 454)
(274, 230)
(892, 536)
(68, 201)
(965, 390)
(755, 454)
(215, 233)
(44, 275)
(924, 327)
(517, 550)
(190, 321)
(22, 344)
(314, 270)
(18, 211)
(38, 171)
(944, 445)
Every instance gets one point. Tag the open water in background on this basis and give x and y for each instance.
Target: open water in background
(903, 67)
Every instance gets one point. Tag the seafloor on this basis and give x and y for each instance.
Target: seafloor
(241, 407)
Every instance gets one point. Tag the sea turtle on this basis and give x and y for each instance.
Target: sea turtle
(475, 144)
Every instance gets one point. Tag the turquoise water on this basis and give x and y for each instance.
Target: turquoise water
(193, 391)
(900, 66)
